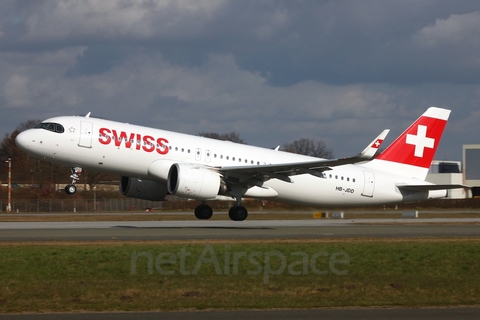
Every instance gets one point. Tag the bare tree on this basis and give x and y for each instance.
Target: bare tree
(27, 125)
(93, 178)
(8, 148)
(229, 136)
(309, 147)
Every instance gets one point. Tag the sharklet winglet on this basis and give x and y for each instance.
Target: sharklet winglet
(372, 148)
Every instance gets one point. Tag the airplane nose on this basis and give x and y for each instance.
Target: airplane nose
(24, 140)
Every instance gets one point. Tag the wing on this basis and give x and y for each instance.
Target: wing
(256, 175)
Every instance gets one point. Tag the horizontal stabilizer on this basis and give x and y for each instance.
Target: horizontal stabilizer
(426, 187)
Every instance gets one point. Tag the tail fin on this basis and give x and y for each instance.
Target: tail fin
(412, 152)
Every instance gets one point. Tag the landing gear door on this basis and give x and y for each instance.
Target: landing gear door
(86, 134)
(369, 184)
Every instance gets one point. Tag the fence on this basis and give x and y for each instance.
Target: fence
(80, 205)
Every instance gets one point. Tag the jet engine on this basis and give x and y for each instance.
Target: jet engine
(142, 189)
(193, 181)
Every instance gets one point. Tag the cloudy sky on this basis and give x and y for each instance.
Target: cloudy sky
(273, 71)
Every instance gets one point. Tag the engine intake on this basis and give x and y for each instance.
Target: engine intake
(193, 181)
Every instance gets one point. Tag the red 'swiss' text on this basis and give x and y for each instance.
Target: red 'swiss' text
(145, 143)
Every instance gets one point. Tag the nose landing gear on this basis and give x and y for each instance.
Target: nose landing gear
(76, 172)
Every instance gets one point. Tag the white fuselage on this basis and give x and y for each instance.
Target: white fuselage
(129, 150)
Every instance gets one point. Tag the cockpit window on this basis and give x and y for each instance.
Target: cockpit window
(51, 126)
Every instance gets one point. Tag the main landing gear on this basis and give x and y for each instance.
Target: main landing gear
(203, 211)
(236, 213)
(76, 172)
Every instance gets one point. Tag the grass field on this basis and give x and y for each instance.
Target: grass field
(178, 275)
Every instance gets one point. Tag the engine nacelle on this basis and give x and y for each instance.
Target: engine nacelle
(193, 181)
(143, 189)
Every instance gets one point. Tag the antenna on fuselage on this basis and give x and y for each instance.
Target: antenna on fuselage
(88, 115)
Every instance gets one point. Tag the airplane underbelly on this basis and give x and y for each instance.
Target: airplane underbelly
(314, 191)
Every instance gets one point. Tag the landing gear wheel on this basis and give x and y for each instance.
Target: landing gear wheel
(203, 212)
(238, 213)
(70, 189)
(76, 172)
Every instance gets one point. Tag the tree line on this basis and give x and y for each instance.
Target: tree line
(310, 147)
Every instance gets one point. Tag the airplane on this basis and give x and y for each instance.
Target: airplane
(154, 163)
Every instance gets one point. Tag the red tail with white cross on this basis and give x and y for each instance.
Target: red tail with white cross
(413, 151)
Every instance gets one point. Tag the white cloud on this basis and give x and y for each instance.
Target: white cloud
(456, 29)
(16, 91)
(61, 20)
(208, 65)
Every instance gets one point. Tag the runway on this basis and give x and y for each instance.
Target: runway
(463, 313)
(249, 229)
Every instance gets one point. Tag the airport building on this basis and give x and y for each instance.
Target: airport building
(466, 172)
(471, 167)
(448, 172)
